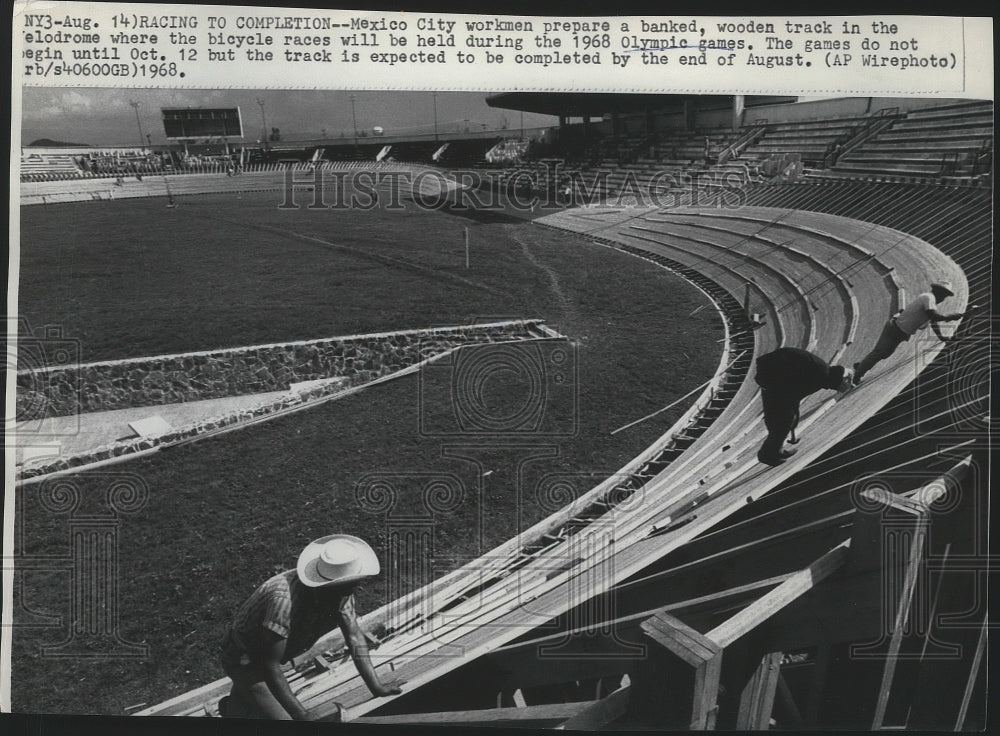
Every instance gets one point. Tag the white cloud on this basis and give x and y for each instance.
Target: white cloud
(61, 103)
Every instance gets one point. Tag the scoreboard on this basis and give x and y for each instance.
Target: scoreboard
(185, 123)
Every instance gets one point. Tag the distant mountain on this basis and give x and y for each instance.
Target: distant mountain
(49, 143)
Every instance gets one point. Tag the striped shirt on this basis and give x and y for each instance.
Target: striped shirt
(286, 607)
(915, 317)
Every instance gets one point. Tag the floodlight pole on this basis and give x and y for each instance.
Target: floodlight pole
(263, 122)
(434, 97)
(354, 119)
(135, 106)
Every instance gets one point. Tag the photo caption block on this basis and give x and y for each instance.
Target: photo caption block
(125, 45)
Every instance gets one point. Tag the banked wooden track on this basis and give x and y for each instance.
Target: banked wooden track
(820, 281)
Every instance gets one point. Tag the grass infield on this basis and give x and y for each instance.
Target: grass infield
(134, 278)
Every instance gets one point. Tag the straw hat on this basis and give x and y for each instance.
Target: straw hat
(336, 560)
(944, 285)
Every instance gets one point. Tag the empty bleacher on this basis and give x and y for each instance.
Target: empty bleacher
(470, 152)
(413, 151)
(656, 163)
(942, 141)
(946, 140)
(45, 165)
(350, 152)
(810, 139)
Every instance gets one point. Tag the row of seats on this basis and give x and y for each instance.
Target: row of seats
(35, 163)
(947, 140)
(954, 139)
(811, 139)
(451, 153)
(43, 166)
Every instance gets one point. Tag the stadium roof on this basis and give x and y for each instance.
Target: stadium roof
(578, 104)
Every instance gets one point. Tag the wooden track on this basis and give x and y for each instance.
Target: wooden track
(824, 282)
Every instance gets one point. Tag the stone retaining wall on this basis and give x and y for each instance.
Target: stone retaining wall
(186, 377)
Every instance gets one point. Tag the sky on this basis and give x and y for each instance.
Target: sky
(104, 117)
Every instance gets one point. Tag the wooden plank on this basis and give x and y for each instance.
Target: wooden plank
(970, 684)
(587, 657)
(786, 695)
(903, 605)
(679, 638)
(595, 716)
(729, 631)
(843, 609)
(706, 694)
(530, 715)
(757, 698)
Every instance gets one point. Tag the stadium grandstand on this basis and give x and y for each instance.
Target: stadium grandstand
(696, 588)
(659, 146)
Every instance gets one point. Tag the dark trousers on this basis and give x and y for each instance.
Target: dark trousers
(781, 414)
(250, 696)
(890, 339)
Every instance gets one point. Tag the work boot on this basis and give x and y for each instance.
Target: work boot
(858, 375)
(776, 460)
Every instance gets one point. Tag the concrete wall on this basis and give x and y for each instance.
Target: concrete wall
(185, 377)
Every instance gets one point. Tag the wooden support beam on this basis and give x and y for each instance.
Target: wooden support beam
(753, 615)
(680, 639)
(706, 694)
(531, 715)
(844, 609)
(757, 699)
(786, 695)
(595, 716)
(697, 652)
(889, 522)
(583, 656)
(970, 684)
(911, 574)
(878, 506)
(850, 608)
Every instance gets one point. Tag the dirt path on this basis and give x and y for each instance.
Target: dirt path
(569, 312)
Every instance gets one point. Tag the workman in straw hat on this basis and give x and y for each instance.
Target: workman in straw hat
(786, 376)
(285, 616)
(900, 328)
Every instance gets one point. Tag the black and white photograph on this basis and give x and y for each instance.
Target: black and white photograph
(499, 407)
